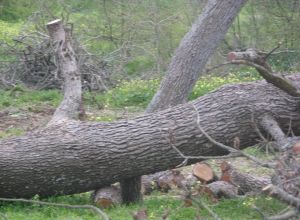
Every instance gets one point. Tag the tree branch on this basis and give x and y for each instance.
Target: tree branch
(282, 195)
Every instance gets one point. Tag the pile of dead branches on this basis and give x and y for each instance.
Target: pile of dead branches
(30, 61)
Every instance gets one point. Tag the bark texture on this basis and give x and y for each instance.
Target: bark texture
(67, 64)
(245, 183)
(81, 156)
(188, 62)
(194, 51)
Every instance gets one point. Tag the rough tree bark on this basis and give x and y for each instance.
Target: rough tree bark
(81, 156)
(186, 66)
(195, 49)
(67, 64)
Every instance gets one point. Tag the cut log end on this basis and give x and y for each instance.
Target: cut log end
(107, 197)
(54, 22)
(203, 172)
(296, 148)
(231, 56)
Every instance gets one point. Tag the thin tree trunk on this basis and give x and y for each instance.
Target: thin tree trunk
(67, 64)
(81, 156)
(194, 51)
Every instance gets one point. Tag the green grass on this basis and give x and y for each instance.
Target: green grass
(140, 92)
(156, 205)
(9, 30)
(11, 132)
(25, 98)
(135, 93)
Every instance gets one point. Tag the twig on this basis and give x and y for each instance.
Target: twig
(282, 195)
(285, 216)
(257, 129)
(94, 208)
(187, 158)
(272, 51)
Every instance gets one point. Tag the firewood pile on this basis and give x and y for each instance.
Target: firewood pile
(202, 180)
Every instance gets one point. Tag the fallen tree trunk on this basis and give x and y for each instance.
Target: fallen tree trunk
(73, 156)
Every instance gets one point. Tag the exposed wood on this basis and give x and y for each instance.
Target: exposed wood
(107, 197)
(162, 181)
(204, 172)
(296, 148)
(82, 156)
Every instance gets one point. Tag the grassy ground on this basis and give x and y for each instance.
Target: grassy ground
(156, 205)
(22, 110)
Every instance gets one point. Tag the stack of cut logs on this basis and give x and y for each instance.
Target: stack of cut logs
(231, 183)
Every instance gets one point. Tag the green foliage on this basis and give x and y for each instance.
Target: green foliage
(138, 65)
(13, 10)
(134, 94)
(8, 30)
(140, 92)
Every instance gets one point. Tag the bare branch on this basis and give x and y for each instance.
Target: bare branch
(282, 195)
(187, 158)
(272, 51)
(285, 216)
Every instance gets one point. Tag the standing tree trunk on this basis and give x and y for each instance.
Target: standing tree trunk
(195, 49)
(186, 66)
(67, 64)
